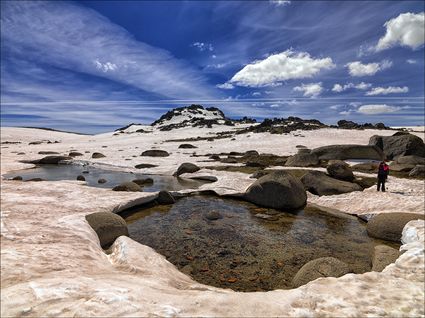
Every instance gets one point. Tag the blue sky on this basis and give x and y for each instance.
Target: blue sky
(93, 66)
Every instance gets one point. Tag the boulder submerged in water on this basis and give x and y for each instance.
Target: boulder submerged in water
(165, 197)
(143, 181)
(343, 152)
(108, 227)
(277, 190)
(383, 256)
(319, 183)
(318, 268)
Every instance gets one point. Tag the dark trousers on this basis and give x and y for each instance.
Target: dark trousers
(381, 184)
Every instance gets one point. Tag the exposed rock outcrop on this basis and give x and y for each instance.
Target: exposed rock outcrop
(277, 190)
(404, 144)
(348, 124)
(186, 167)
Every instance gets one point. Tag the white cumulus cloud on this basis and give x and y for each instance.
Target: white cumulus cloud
(387, 90)
(280, 67)
(377, 109)
(340, 88)
(105, 67)
(279, 3)
(225, 86)
(357, 68)
(310, 90)
(406, 30)
(201, 46)
(411, 61)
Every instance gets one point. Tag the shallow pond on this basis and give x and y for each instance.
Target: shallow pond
(113, 178)
(246, 252)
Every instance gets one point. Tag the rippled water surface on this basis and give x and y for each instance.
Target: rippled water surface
(246, 252)
(93, 174)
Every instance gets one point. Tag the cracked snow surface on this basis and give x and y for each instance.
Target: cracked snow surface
(52, 263)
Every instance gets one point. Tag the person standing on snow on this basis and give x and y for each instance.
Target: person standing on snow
(383, 172)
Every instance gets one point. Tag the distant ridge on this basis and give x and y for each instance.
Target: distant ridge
(57, 130)
(198, 116)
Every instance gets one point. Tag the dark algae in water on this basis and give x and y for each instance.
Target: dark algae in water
(234, 244)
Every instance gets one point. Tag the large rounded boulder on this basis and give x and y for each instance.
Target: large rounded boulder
(318, 268)
(302, 159)
(404, 144)
(319, 183)
(277, 190)
(389, 226)
(108, 227)
(50, 160)
(340, 170)
(418, 171)
(412, 160)
(97, 155)
(165, 197)
(186, 167)
(155, 153)
(343, 152)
